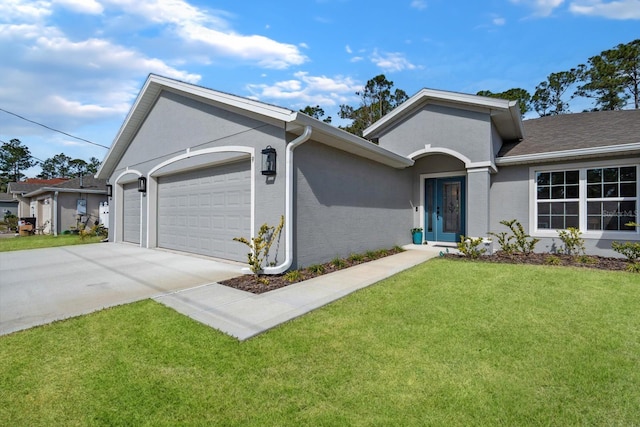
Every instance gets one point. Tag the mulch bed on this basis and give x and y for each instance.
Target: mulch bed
(586, 261)
(249, 283)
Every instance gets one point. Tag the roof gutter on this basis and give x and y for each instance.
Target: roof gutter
(55, 214)
(607, 150)
(288, 217)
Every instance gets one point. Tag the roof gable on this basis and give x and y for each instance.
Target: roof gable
(504, 114)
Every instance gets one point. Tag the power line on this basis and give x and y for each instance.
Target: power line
(55, 130)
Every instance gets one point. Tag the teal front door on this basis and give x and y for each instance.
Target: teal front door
(444, 207)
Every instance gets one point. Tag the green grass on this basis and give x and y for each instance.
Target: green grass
(445, 343)
(46, 241)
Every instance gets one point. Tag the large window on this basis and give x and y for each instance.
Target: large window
(591, 199)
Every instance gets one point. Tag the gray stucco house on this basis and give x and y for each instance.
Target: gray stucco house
(59, 204)
(452, 163)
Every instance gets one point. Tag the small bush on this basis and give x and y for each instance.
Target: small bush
(316, 268)
(338, 263)
(356, 257)
(293, 276)
(517, 241)
(552, 260)
(371, 254)
(12, 221)
(470, 247)
(573, 244)
(631, 250)
(633, 267)
(585, 259)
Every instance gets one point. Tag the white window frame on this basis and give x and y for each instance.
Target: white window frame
(582, 199)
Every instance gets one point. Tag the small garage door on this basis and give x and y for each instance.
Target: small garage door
(202, 211)
(131, 213)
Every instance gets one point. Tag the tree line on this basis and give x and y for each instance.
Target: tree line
(610, 79)
(15, 158)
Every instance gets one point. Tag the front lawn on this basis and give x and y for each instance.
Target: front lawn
(445, 343)
(19, 243)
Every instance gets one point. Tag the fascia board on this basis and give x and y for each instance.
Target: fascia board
(63, 190)
(609, 150)
(345, 141)
(147, 97)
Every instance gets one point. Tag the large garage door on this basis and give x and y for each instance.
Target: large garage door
(131, 213)
(202, 211)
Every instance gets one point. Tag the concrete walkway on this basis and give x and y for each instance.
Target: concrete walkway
(243, 314)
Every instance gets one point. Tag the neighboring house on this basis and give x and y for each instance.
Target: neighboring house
(452, 163)
(8, 205)
(60, 204)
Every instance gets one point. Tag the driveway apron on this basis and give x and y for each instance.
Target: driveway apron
(43, 285)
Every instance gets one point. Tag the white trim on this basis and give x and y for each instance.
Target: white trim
(568, 155)
(468, 164)
(582, 199)
(118, 195)
(152, 183)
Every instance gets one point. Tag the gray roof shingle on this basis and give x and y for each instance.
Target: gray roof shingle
(576, 131)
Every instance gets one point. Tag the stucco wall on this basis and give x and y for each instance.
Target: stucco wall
(67, 209)
(177, 123)
(345, 204)
(467, 132)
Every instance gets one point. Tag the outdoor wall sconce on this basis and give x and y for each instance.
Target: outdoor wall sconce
(142, 184)
(269, 161)
(109, 190)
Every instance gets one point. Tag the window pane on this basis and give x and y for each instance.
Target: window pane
(610, 190)
(610, 175)
(572, 177)
(594, 222)
(594, 191)
(625, 220)
(571, 208)
(572, 221)
(543, 193)
(609, 209)
(557, 222)
(594, 175)
(544, 208)
(573, 191)
(628, 174)
(543, 178)
(557, 208)
(628, 190)
(557, 192)
(610, 223)
(594, 208)
(557, 178)
(627, 208)
(543, 222)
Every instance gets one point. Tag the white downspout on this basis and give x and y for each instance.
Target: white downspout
(55, 214)
(288, 201)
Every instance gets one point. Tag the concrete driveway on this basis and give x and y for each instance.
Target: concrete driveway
(43, 285)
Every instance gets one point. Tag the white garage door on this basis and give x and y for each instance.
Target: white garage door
(202, 211)
(131, 213)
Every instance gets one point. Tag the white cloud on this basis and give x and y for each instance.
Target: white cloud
(499, 21)
(348, 49)
(27, 10)
(419, 4)
(307, 90)
(621, 9)
(541, 7)
(91, 7)
(391, 61)
(211, 30)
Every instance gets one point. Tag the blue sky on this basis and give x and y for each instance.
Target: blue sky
(77, 65)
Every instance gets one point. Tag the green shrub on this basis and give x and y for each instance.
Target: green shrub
(552, 260)
(12, 221)
(631, 250)
(517, 241)
(573, 244)
(633, 267)
(259, 246)
(470, 247)
(338, 263)
(371, 255)
(356, 258)
(585, 259)
(316, 268)
(293, 276)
